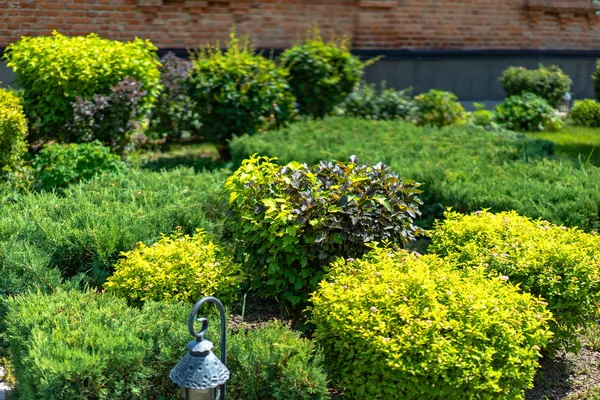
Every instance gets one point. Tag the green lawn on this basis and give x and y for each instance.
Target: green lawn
(575, 141)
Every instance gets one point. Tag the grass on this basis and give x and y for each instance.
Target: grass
(199, 156)
(575, 142)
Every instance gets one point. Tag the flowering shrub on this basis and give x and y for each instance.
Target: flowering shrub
(112, 119)
(177, 267)
(274, 363)
(292, 221)
(560, 264)
(398, 325)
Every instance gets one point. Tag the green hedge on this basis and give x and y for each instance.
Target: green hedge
(83, 231)
(463, 167)
(74, 345)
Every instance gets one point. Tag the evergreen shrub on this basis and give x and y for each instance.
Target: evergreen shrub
(549, 83)
(57, 166)
(82, 231)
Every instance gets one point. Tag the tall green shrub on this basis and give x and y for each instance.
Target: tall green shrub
(292, 221)
(559, 264)
(238, 91)
(321, 74)
(395, 325)
(13, 132)
(54, 70)
(549, 83)
(596, 80)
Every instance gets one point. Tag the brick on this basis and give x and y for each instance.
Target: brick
(372, 24)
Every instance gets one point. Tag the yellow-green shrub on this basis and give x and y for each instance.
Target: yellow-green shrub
(177, 267)
(13, 131)
(403, 326)
(54, 70)
(560, 264)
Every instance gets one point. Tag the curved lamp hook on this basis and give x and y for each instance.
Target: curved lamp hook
(200, 335)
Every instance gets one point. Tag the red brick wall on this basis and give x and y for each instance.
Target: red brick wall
(375, 24)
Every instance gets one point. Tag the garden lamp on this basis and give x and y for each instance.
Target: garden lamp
(596, 3)
(200, 374)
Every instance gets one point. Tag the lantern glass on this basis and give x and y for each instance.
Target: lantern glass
(200, 394)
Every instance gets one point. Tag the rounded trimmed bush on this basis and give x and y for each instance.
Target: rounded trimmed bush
(237, 91)
(438, 108)
(321, 74)
(54, 70)
(549, 83)
(292, 221)
(586, 113)
(59, 165)
(560, 264)
(177, 267)
(399, 325)
(527, 112)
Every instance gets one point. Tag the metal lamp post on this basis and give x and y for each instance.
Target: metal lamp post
(200, 374)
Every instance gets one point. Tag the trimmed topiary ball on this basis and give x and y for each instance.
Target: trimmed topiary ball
(321, 74)
(396, 325)
(438, 108)
(586, 113)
